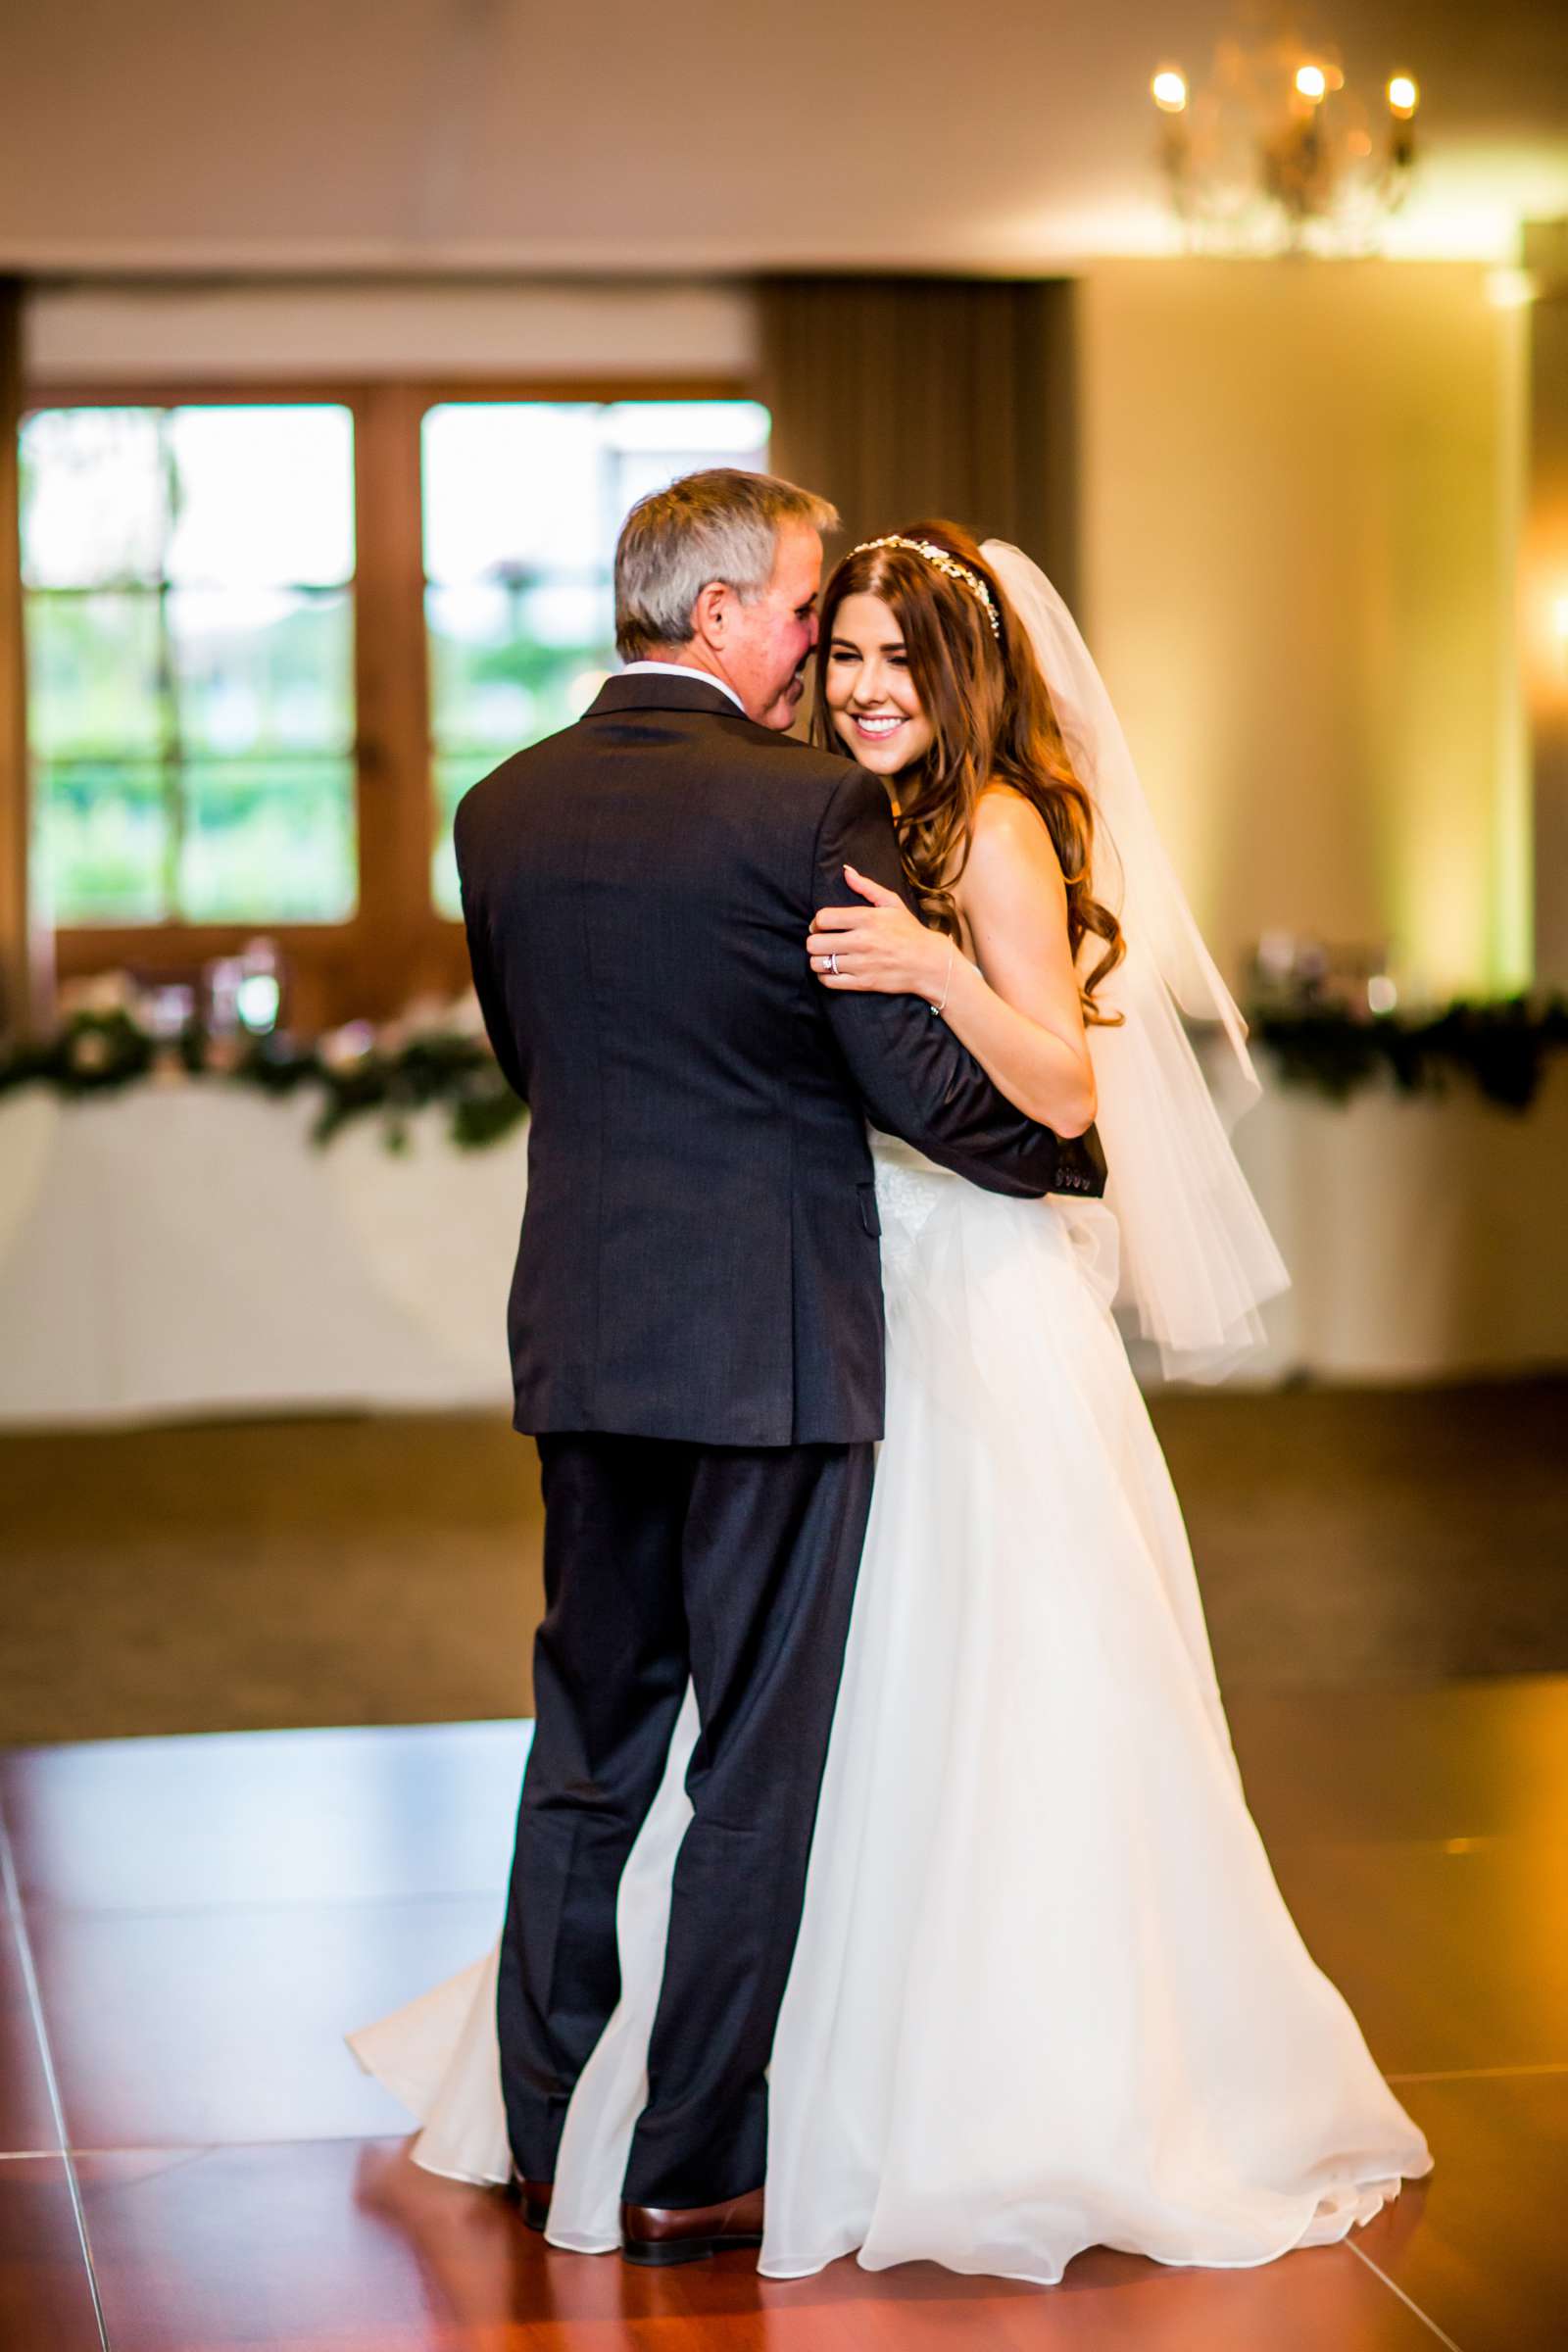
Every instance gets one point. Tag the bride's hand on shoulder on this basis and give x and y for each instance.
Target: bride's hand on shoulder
(880, 946)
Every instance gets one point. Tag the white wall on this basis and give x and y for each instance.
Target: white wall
(651, 327)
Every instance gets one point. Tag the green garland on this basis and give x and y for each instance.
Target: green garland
(1502, 1048)
(99, 1052)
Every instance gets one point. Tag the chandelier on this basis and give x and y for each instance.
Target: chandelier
(1277, 154)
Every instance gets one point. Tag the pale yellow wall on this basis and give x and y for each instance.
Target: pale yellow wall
(1300, 500)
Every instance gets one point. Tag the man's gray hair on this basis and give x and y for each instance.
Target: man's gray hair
(719, 525)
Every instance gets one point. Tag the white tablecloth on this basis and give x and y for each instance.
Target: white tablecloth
(186, 1250)
(1426, 1236)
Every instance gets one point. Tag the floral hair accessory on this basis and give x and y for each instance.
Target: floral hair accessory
(940, 558)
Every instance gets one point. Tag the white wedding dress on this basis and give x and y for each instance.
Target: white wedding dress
(1046, 1994)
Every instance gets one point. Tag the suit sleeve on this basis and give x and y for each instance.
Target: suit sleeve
(915, 1078)
(486, 985)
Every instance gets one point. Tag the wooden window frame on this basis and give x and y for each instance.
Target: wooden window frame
(396, 945)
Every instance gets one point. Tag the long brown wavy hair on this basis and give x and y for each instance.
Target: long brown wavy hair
(992, 721)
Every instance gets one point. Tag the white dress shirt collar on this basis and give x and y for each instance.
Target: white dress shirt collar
(683, 669)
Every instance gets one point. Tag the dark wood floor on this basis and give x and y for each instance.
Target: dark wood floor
(191, 2161)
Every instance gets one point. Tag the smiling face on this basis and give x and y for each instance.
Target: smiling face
(870, 695)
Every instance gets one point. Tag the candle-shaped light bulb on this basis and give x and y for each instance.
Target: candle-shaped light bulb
(1311, 81)
(1404, 96)
(1170, 90)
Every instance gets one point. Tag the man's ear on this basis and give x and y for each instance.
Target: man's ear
(710, 614)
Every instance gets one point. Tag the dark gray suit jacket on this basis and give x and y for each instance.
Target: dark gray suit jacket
(699, 1253)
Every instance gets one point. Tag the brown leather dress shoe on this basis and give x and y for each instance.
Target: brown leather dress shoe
(534, 2198)
(657, 2235)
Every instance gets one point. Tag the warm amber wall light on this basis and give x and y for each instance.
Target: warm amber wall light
(1510, 289)
(1311, 81)
(1170, 90)
(1548, 642)
(1404, 96)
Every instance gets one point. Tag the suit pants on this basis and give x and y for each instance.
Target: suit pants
(736, 1567)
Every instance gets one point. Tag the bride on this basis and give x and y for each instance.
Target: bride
(1046, 1994)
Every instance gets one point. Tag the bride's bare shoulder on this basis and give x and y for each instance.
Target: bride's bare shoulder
(1008, 840)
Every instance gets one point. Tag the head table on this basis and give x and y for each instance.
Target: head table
(183, 1249)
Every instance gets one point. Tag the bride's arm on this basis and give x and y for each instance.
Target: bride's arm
(1018, 1009)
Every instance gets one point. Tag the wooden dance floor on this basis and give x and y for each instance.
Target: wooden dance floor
(192, 2161)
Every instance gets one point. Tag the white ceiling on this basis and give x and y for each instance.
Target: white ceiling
(717, 134)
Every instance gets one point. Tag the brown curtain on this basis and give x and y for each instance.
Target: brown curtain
(15, 1008)
(911, 397)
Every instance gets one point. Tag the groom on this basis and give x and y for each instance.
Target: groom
(696, 1315)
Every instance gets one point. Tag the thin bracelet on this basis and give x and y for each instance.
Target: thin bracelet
(946, 983)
